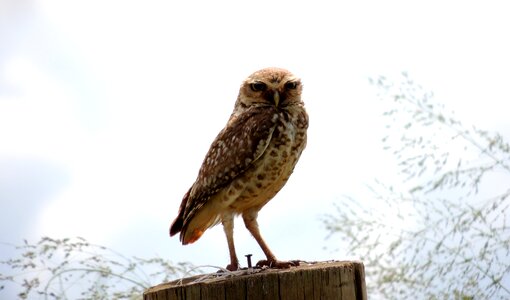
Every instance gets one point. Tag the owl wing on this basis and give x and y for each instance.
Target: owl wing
(233, 151)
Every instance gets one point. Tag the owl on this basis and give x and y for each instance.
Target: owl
(248, 163)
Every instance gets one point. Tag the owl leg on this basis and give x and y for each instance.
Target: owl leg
(228, 227)
(250, 220)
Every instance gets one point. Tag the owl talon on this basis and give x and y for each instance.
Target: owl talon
(277, 264)
(232, 267)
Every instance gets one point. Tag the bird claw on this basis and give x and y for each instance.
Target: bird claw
(277, 264)
(233, 267)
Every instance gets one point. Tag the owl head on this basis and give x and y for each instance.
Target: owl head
(270, 87)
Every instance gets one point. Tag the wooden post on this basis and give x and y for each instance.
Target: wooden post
(323, 280)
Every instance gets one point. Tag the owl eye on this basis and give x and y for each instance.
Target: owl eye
(291, 85)
(258, 86)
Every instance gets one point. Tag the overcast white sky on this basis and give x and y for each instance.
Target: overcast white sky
(108, 107)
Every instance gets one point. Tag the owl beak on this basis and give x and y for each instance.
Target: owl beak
(276, 98)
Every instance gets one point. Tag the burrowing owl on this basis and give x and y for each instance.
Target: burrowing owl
(250, 160)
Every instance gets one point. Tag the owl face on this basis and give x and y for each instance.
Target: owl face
(270, 87)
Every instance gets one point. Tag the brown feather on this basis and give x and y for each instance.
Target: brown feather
(224, 161)
(178, 222)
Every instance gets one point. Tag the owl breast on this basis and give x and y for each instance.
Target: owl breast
(270, 172)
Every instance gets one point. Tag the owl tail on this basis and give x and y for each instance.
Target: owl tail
(192, 224)
(187, 236)
(178, 223)
(176, 226)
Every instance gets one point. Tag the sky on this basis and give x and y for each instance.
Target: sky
(107, 108)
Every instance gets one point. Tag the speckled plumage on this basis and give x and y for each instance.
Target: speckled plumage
(250, 160)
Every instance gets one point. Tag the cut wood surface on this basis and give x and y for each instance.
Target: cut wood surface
(343, 280)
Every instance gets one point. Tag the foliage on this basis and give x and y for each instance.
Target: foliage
(72, 268)
(443, 231)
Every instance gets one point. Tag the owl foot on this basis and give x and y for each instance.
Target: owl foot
(233, 267)
(277, 264)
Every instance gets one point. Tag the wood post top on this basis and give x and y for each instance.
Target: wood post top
(316, 280)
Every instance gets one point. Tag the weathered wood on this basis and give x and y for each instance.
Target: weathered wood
(321, 281)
